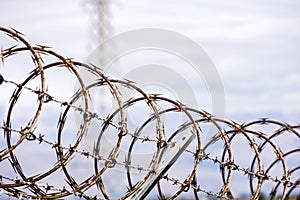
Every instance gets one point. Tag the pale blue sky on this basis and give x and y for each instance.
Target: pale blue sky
(254, 45)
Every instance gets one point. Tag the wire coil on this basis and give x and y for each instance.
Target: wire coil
(269, 161)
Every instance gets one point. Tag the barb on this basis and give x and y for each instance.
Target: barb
(122, 149)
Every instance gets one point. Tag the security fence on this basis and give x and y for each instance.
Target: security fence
(201, 156)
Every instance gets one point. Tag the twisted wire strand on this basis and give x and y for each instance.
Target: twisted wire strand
(126, 141)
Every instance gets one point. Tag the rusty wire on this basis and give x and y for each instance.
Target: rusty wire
(285, 180)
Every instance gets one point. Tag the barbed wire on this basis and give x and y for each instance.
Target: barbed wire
(269, 158)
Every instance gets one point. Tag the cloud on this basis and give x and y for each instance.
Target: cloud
(254, 45)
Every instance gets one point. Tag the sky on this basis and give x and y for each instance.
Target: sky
(254, 45)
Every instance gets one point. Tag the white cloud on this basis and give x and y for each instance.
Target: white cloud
(254, 45)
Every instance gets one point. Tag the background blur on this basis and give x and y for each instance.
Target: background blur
(254, 45)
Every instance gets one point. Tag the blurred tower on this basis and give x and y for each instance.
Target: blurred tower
(99, 31)
(100, 24)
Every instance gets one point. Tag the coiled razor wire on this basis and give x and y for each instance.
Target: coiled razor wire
(273, 165)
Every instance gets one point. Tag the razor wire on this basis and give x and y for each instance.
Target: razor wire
(269, 159)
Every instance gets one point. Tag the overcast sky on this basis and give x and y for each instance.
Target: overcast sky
(254, 45)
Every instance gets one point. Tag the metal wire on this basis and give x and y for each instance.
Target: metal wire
(259, 141)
